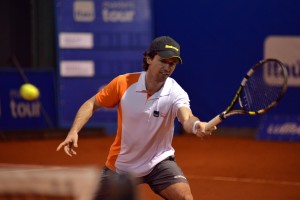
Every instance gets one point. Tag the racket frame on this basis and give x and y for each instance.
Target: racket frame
(229, 112)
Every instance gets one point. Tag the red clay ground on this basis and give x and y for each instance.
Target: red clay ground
(218, 167)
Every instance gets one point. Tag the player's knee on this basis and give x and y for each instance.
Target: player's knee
(187, 196)
(182, 196)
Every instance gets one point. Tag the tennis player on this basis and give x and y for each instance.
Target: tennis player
(148, 103)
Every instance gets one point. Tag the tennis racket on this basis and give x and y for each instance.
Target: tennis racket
(260, 90)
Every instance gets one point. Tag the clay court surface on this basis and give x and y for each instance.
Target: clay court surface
(218, 167)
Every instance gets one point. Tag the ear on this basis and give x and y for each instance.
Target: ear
(149, 60)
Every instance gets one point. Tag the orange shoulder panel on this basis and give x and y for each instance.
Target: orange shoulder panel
(109, 96)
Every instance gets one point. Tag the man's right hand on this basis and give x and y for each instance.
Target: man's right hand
(69, 143)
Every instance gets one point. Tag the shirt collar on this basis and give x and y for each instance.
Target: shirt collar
(141, 84)
(164, 91)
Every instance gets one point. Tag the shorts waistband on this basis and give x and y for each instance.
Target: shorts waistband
(172, 158)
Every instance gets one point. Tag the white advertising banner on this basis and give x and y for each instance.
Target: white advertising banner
(287, 50)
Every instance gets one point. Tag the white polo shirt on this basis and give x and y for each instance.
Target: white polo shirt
(145, 124)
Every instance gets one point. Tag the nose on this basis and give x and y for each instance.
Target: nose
(168, 67)
(171, 66)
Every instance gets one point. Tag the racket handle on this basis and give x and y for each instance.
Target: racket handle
(213, 122)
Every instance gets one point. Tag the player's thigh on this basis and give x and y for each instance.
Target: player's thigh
(177, 191)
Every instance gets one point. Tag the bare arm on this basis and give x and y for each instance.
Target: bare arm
(84, 113)
(191, 123)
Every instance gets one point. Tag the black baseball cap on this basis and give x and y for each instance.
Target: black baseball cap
(166, 47)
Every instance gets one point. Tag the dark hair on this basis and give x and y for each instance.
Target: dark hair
(150, 55)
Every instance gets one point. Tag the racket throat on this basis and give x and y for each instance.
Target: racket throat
(222, 116)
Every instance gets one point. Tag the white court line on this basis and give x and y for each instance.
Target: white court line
(246, 180)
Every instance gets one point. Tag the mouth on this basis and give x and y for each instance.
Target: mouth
(165, 73)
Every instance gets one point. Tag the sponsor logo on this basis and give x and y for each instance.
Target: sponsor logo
(23, 109)
(179, 176)
(273, 74)
(171, 47)
(118, 11)
(76, 68)
(288, 128)
(280, 127)
(84, 11)
(287, 50)
(72, 40)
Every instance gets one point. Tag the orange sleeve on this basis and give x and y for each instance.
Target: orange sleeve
(109, 96)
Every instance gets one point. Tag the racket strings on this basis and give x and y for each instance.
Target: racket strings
(257, 93)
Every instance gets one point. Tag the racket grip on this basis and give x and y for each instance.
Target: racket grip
(213, 122)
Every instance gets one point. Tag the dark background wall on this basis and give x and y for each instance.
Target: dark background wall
(220, 41)
(27, 33)
(15, 32)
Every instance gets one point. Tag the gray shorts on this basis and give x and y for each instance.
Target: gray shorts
(164, 174)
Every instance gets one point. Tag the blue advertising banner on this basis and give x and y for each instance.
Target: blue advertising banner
(284, 123)
(279, 128)
(97, 40)
(19, 114)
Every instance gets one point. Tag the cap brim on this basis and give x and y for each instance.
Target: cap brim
(169, 54)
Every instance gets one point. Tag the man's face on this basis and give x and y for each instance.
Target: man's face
(160, 69)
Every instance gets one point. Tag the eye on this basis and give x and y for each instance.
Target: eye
(172, 64)
(164, 61)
